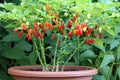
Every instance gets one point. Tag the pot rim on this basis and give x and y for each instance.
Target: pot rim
(17, 72)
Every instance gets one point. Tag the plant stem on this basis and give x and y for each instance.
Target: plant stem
(72, 54)
(36, 49)
(78, 55)
(55, 54)
(116, 72)
(43, 54)
(116, 59)
(109, 73)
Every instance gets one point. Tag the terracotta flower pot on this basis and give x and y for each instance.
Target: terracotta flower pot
(75, 73)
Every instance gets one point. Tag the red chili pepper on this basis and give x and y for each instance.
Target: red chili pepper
(20, 34)
(40, 35)
(80, 32)
(95, 35)
(44, 30)
(70, 34)
(73, 19)
(62, 31)
(62, 25)
(15, 31)
(53, 37)
(100, 35)
(87, 41)
(35, 26)
(41, 26)
(92, 41)
(59, 42)
(59, 28)
(50, 27)
(96, 27)
(77, 32)
(77, 27)
(28, 37)
(83, 25)
(86, 32)
(35, 33)
(89, 30)
(69, 25)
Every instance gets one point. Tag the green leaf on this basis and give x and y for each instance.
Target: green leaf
(101, 54)
(119, 72)
(24, 61)
(118, 56)
(117, 29)
(110, 31)
(12, 37)
(3, 63)
(105, 70)
(24, 45)
(14, 53)
(33, 57)
(98, 77)
(98, 43)
(11, 25)
(106, 60)
(114, 44)
(87, 54)
(3, 75)
(9, 6)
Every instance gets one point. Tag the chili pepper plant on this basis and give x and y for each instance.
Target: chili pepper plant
(56, 32)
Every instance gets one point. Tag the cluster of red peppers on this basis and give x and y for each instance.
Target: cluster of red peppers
(80, 30)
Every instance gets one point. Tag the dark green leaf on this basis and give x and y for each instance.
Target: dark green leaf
(105, 70)
(33, 57)
(11, 37)
(3, 75)
(24, 61)
(24, 45)
(14, 53)
(101, 54)
(119, 72)
(114, 44)
(87, 54)
(98, 77)
(106, 60)
(3, 63)
(118, 57)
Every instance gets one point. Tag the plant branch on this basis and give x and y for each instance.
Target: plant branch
(72, 54)
(55, 54)
(36, 49)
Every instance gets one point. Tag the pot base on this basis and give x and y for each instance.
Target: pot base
(58, 78)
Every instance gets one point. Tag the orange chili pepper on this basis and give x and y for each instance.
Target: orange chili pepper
(50, 13)
(23, 26)
(47, 7)
(46, 24)
(29, 32)
(74, 31)
(56, 22)
(56, 14)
